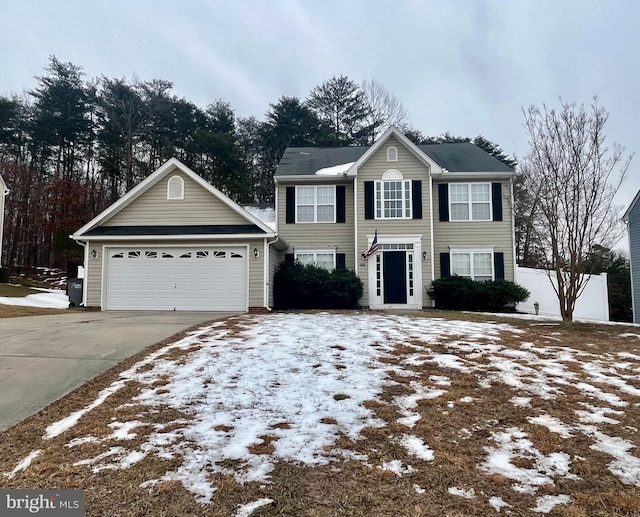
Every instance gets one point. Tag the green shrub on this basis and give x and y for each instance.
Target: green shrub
(453, 292)
(297, 286)
(461, 293)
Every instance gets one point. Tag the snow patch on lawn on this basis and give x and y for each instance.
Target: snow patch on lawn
(47, 299)
(246, 510)
(513, 443)
(469, 493)
(260, 389)
(546, 503)
(24, 463)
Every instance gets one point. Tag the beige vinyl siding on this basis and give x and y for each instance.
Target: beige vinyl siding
(93, 273)
(338, 236)
(199, 206)
(495, 234)
(413, 169)
(256, 274)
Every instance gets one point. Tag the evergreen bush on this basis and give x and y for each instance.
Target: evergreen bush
(298, 286)
(462, 293)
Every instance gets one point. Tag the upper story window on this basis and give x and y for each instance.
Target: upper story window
(175, 188)
(323, 259)
(392, 154)
(393, 196)
(476, 264)
(470, 201)
(316, 204)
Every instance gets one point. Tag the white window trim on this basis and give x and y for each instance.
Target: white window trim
(315, 252)
(472, 251)
(169, 193)
(315, 204)
(407, 201)
(392, 154)
(470, 203)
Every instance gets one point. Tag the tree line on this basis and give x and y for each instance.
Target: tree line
(71, 146)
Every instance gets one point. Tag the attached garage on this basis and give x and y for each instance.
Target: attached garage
(198, 278)
(176, 243)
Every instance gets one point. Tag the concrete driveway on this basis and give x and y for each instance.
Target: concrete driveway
(43, 358)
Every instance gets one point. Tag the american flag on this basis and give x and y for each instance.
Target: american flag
(373, 249)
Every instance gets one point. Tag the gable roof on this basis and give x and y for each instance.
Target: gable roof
(625, 217)
(91, 228)
(454, 157)
(463, 157)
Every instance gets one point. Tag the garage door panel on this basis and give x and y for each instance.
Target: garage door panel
(164, 278)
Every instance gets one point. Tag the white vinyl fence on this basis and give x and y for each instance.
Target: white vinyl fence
(592, 304)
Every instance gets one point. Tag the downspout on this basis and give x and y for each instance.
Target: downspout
(267, 261)
(355, 224)
(432, 243)
(86, 271)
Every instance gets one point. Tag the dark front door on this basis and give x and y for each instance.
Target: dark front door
(394, 274)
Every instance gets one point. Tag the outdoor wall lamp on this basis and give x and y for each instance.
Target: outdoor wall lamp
(94, 253)
(256, 253)
(424, 255)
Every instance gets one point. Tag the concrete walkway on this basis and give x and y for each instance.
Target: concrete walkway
(43, 358)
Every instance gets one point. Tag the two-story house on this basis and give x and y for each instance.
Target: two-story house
(174, 242)
(632, 218)
(434, 210)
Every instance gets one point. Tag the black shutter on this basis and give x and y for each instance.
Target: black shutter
(341, 261)
(496, 197)
(291, 205)
(289, 258)
(368, 200)
(445, 269)
(340, 204)
(416, 198)
(443, 201)
(498, 265)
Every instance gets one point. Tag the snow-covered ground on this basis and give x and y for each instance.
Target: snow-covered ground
(296, 382)
(47, 298)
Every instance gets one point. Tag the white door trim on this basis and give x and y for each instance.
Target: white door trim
(376, 300)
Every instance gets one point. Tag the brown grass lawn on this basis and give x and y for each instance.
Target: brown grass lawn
(461, 427)
(15, 311)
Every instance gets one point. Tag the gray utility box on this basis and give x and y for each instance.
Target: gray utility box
(74, 291)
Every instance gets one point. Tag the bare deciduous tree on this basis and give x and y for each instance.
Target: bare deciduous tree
(575, 178)
(386, 108)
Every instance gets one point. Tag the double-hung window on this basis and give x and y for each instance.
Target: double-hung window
(324, 259)
(470, 201)
(393, 199)
(316, 204)
(477, 264)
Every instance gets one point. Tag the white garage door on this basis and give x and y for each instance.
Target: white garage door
(165, 278)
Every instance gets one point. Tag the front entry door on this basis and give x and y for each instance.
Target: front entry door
(395, 276)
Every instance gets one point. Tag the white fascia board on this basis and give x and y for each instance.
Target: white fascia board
(186, 237)
(154, 178)
(475, 175)
(312, 178)
(136, 191)
(625, 217)
(413, 148)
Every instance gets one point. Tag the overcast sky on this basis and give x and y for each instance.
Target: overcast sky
(467, 67)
